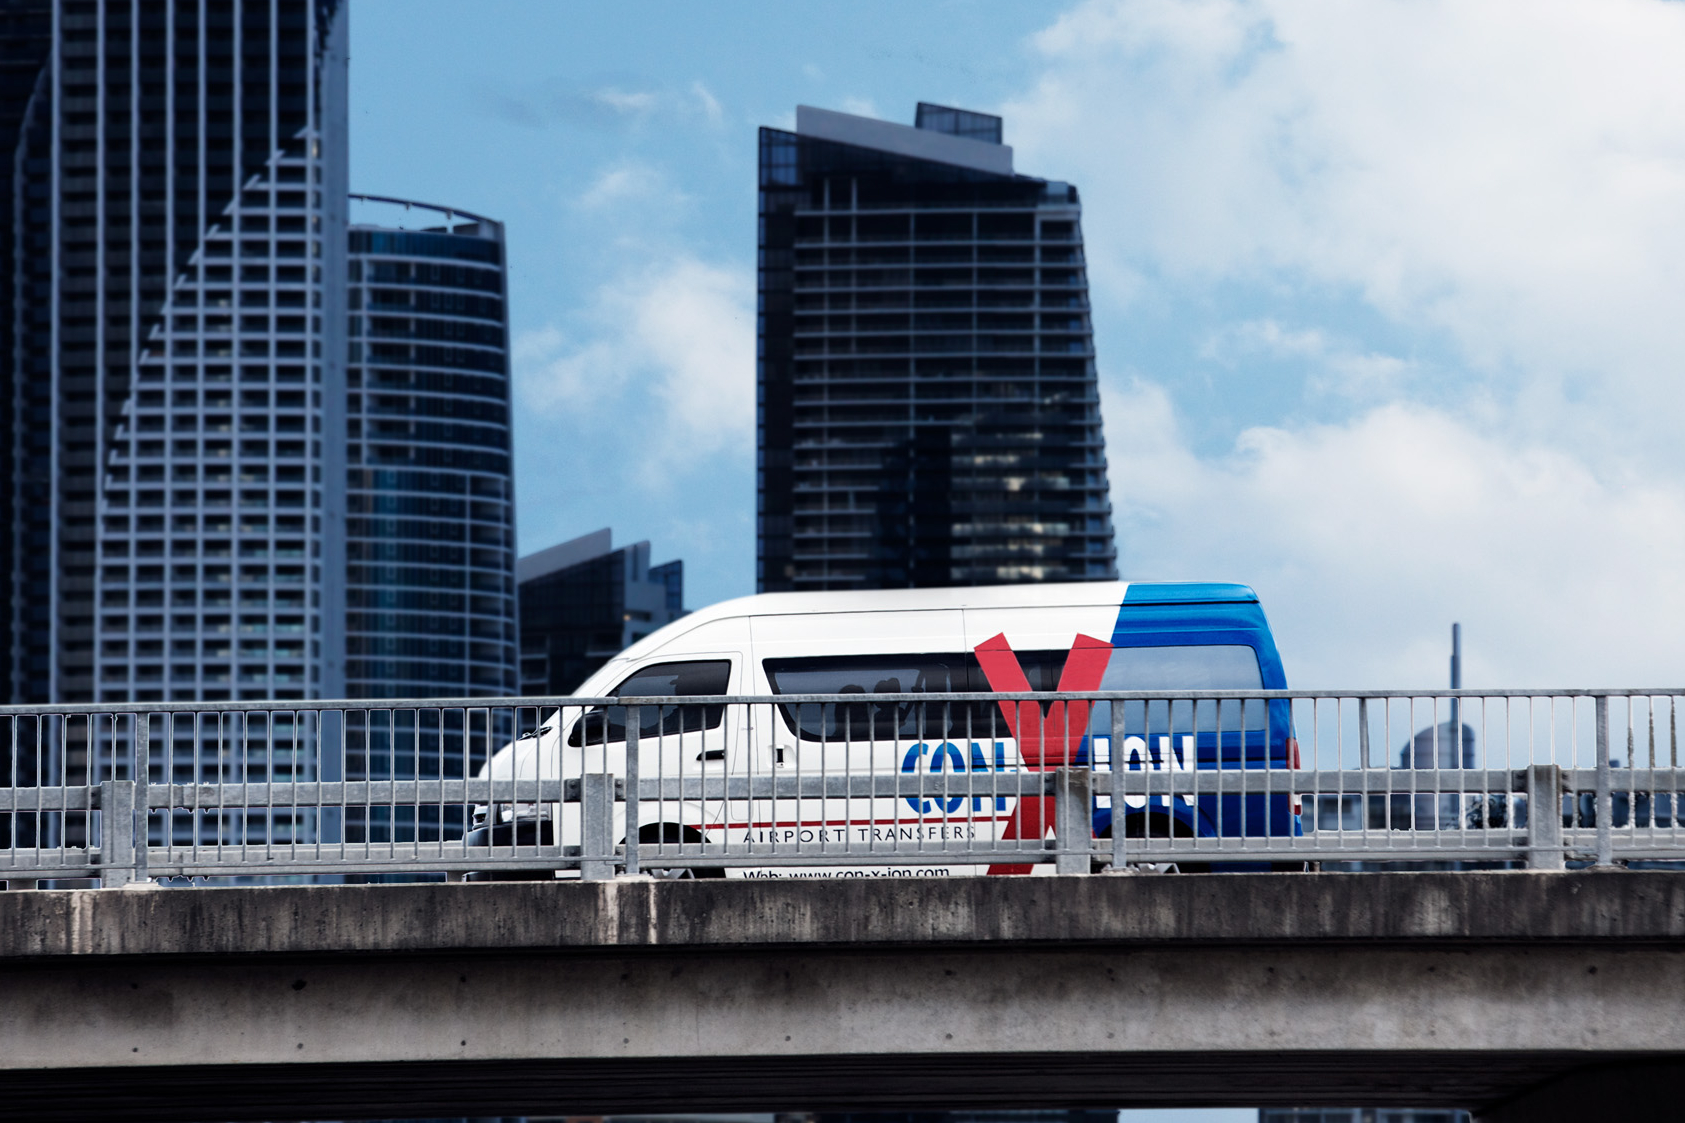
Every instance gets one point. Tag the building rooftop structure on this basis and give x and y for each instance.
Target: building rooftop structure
(583, 601)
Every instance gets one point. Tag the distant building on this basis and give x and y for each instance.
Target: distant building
(1032, 1115)
(1432, 747)
(583, 602)
(1360, 1115)
(929, 411)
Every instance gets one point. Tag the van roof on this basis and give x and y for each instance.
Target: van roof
(1187, 592)
(1053, 595)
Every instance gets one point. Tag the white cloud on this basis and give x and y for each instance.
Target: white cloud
(860, 106)
(1509, 174)
(1366, 538)
(1332, 365)
(557, 102)
(709, 104)
(1499, 187)
(698, 325)
(551, 372)
(629, 182)
(666, 353)
(631, 103)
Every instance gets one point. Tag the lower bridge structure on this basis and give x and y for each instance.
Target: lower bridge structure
(1520, 995)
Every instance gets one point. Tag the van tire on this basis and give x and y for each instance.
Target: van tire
(1160, 826)
(523, 832)
(674, 832)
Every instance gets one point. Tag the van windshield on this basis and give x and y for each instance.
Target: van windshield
(702, 678)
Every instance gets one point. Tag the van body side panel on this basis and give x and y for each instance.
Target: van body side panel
(1038, 628)
(856, 633)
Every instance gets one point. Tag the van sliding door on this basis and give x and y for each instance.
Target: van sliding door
(860, 655)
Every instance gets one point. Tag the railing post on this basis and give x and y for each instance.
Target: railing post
(1544, 817)
(143, 777)
(116, 833)
(596, 817)
(1073, 819)
(633, 720)
(1605, 788)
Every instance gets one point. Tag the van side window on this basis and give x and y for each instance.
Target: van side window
(700, 678)
(898, 674)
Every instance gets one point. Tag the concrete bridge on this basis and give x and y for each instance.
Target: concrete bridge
(1537, 996)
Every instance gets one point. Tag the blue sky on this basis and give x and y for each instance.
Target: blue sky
(618, 141)
(1386, 294)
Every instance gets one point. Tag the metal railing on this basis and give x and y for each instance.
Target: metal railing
(856, 784)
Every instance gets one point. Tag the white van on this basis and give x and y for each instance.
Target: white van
(1078, 637)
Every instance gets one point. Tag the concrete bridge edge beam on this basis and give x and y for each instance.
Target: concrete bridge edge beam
(1617, 1092)
(1575, 974)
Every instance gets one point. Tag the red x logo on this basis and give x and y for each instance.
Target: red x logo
(1044, 741)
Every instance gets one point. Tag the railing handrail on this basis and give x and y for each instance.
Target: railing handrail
(525, 702)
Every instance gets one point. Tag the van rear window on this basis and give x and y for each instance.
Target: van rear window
(1212, 666)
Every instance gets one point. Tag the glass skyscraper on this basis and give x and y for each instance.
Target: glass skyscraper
(431, 529)
(928, 410)
(174, 217)
(430, 534)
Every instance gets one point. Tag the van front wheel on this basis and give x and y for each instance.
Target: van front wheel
(654, 833)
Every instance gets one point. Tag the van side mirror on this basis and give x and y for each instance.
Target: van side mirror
(590, 729)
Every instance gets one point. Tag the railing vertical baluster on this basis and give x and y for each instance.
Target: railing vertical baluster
(632, 805)
(143, 779)
(1120, 855)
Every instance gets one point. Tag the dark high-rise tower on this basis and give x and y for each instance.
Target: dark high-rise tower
(431, 529)
(928, 409)
(172, 471)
